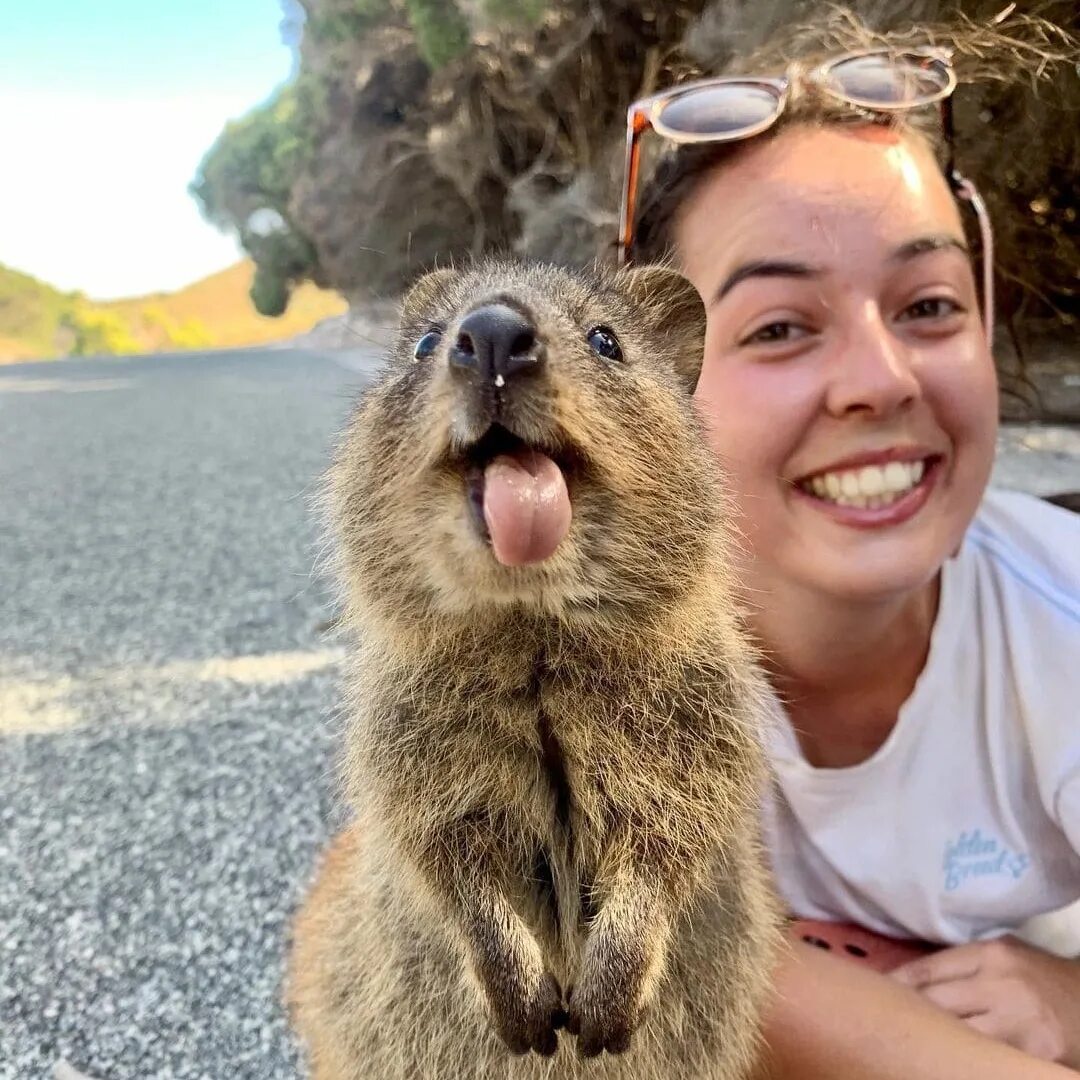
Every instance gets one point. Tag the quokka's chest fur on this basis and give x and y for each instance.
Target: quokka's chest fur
(555, 754)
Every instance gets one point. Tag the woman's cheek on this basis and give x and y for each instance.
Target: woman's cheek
(721, 396)
(756, 408)
(752, 411)
(960, 380)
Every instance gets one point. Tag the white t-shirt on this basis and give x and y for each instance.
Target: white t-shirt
(965, 823)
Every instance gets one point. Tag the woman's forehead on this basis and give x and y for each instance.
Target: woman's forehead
(817, 195)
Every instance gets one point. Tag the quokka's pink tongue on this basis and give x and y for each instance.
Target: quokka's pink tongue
(526, 507)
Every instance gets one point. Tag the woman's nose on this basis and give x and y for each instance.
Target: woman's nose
(873, 375)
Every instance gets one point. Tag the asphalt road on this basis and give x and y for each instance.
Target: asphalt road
(167, 695)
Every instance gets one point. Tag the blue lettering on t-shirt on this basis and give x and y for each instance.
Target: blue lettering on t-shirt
(974, 855)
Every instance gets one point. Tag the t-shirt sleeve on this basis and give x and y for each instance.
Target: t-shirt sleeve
(1036, 550)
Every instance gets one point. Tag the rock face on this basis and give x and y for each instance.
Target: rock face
(361, 329)
(1040, 459)
(516, 145)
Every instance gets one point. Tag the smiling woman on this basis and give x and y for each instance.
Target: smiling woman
(859, 341)
(920, 632)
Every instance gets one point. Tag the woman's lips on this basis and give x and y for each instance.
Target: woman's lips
(895, 513)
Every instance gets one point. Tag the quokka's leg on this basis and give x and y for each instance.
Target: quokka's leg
(318, 965)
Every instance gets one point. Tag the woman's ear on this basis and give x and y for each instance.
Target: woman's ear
(425, 293)
(673, 307)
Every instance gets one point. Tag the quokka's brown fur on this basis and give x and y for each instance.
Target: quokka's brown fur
(554, 767)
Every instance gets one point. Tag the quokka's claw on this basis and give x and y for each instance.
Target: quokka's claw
(599, 1027)
(534, 1024)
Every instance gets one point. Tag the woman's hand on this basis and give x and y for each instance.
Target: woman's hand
(1007, 990)
(830, 1016)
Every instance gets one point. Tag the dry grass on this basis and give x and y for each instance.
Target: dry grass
(216, 310)
(221, 304)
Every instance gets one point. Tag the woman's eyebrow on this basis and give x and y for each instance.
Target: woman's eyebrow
(923, 244)
(765, 268)
(785, 268)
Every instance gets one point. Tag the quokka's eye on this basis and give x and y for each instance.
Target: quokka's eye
(604, 343)
(427, 344)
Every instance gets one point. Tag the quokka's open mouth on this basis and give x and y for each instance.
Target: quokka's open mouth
(518, 496)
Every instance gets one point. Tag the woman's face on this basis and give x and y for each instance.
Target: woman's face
(847, 383)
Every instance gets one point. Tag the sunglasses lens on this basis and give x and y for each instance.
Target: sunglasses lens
(889, 80)
(728, 109)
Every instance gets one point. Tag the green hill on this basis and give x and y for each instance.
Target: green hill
(31, 313)
(38, 321)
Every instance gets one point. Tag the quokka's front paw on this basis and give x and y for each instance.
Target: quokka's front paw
(600, 1020)
(531, 1021)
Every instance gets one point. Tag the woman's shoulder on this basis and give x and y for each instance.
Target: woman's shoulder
(1033, 544)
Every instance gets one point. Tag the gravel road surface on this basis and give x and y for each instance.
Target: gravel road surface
(166, 707)
(167, 695)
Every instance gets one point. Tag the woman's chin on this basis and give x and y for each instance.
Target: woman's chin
(873, 585)
(867, 565)
(877, 568)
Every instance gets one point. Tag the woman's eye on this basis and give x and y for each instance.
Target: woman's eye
(427, 344)
(774, 332)
(604, 343)
(932, 307)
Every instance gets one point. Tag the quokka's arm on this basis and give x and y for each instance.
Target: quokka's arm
(523, 997)
(640, 893)
(649, 865)
(623, 961)
(441, 819)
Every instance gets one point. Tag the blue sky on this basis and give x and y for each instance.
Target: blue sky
(106, 109)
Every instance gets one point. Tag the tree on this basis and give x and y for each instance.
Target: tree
(269, 292)
(442, 34)
(251, 169)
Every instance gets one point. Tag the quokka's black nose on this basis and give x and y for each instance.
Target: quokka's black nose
(496, 341)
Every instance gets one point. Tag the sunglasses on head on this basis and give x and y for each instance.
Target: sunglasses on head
(876, 82)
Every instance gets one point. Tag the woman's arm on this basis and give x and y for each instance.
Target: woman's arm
(1010, 991)
(831, 1019)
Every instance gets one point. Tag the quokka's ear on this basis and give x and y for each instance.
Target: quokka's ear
(674, 308)
(425, 293)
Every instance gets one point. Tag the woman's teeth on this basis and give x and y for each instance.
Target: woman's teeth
(869, 487)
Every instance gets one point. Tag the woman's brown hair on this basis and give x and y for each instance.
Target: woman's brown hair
(1008, 48)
